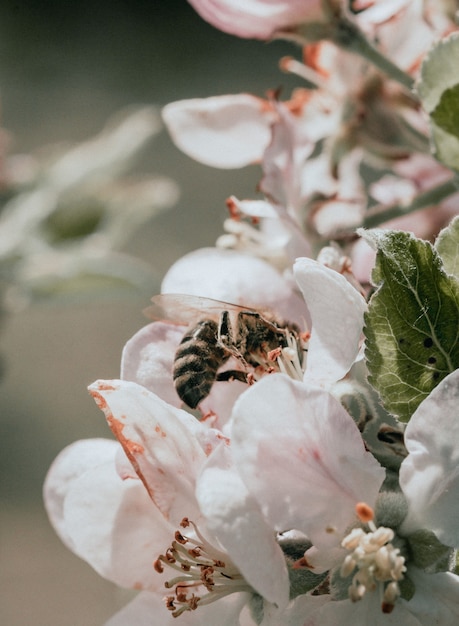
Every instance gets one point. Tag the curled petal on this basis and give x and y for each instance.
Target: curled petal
(166, 446)
(337, 310)
(222, 131)
(258, 19)
(116, 528)
(429, 475)
(68, 466)
(302, 457)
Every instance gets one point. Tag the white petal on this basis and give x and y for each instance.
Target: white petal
(436, 600)
(429, 476)
(366, 612)
(302, 457)
(69, 465)
(337, 311)
(229, 131)
(149, 609)
(148, 359)
(116, 528)
(259, 19)
(164, 444)
(234, 277)
(234, 516)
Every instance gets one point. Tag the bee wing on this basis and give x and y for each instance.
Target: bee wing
(186, 309)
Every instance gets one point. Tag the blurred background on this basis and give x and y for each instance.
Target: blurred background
(65, 69)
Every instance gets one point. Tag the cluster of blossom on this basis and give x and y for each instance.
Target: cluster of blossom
(292, 458)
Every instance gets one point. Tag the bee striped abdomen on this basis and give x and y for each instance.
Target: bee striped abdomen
(197, 360)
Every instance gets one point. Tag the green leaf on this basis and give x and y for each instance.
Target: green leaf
(412, 324)
(446, 113)
(447, 246)
(438, 89)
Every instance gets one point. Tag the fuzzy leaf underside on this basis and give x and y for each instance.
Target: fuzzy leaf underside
(438, 89)
(412, 324)
(447, 246)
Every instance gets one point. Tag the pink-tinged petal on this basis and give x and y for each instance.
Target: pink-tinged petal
(363, 613)
(69, 465)
(337, 310)
(166, 446)
(302, 457)
(429, 475)
(284, 160)
(148, 359)
(116, 528)
(436, 600)
(237, 278)
(257, 19)
(223, 131)
(379, 11)
(218, 405)
(233, 515)
(149, 609)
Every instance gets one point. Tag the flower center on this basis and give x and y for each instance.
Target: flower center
(376, 562)
(203, 575)
(288, 358)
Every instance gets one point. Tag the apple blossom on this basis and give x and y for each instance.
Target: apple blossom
(313, 475)
(119, 508)
(224, 275)
(260, 19)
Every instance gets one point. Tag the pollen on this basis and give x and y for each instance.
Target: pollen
(364, 512)
(373, 559)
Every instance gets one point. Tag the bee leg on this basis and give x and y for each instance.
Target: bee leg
(225, 331)
(232, 375)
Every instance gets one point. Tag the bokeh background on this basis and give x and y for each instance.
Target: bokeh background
(65, 68)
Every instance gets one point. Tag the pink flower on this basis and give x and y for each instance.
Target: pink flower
(258, 19)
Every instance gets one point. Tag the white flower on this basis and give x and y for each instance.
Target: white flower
(133, 515)
(302, 458)
(224, 275)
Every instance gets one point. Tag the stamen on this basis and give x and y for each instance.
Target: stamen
(376, 560)
(205, 574)
(288, 359)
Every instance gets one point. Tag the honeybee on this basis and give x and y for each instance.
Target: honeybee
(218, 331)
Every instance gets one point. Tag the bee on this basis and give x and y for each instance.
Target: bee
(218, 331)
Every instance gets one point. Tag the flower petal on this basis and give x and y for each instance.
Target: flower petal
(234, 517)
(229, 131)
(234, 277)
(148, 359)
(436, 600)
(302, 457)
(366, 611)
(68, 466)
(337, 311)
(116, 528)
(429, 476)
(148, 609)
(258, 19)
(166, 446)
